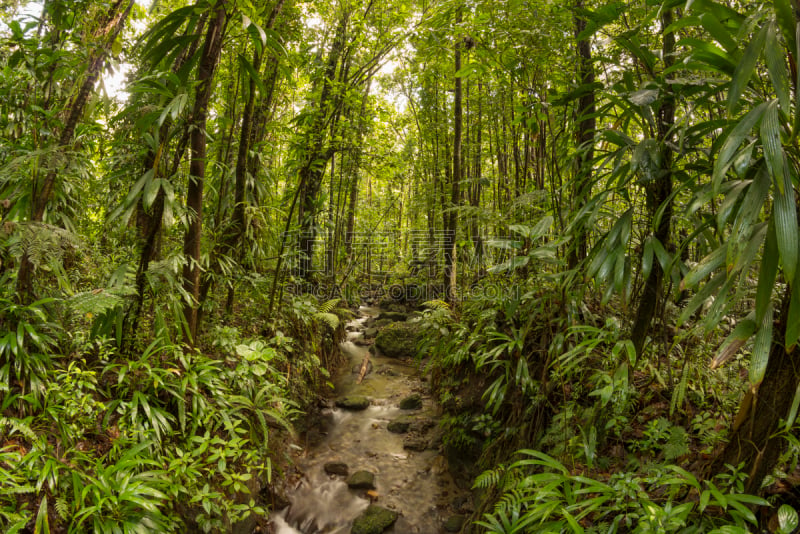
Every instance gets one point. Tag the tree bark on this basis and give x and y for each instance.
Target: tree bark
(584, 138)
(455, 194)
(659, 193)
(755, 439)
(209, 59)
(317, 155)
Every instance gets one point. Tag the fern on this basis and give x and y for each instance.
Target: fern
(62, 508)
(100, 300)
(329, 306)
(436, 305)
(330, 319)
(45, 244)
(18, 426)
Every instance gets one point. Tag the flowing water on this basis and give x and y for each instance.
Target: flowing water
(414, 483)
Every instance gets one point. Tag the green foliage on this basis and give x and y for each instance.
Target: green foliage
(539, 494)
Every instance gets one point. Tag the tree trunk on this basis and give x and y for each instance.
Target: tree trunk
(756, 440)
(317, 156)
(209, 59)
(451, 219)
(659, 193)
(584, 138)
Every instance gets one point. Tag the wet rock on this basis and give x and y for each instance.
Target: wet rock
(380, 323)
(412, 402)
(374, 520)
(353, 402)
(370, 333)
(421, 426)
(415, 443)
(336, 468)
(454, 523)
(399, 340)
(361, 480)
(393, 316)
(399, 426)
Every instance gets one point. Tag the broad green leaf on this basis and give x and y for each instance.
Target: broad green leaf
(790, 419)
(745, 68)
(719, 32)
(787, 519)
(784, 14)
(732, 143)
(251, 73)
(767, 272)
(793, 316)
(743, 331)
(761, 348)
(776, 64)
(706, 266)
(701, 297)
(151, 192)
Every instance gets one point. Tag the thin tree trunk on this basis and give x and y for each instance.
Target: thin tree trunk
(197, 168)
(659, 193)
(582, 185)
(451, 219)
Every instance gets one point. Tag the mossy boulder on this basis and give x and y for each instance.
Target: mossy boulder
(393, 316)
(374, 520)
(399, 340)
(361, 480)
(400, 425)
(336, 468)
(353, 402)
(412, 402)
(454, 523)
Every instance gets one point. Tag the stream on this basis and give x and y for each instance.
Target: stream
(410, 474)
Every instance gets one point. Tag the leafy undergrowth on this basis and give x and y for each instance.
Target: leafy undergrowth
(576, 434)
(154, 439)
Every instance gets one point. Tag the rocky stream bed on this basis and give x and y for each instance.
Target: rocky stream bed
(372, 462)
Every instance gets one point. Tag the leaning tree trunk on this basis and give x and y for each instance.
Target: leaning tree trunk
(209, 59)
(755, 440)
(104, 37)
(659, 193)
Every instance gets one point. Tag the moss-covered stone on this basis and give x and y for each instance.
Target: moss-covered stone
(336, 468)
(393, 316)
(400, 425)
(361, 480)
(353, 402)
(454, 523)
(374, 520)
(412, 402)
(399, 340)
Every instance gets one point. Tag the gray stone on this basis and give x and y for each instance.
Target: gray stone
(374, 520)
(353, 402)
(412, 402)
(336, 468)
(361, 480)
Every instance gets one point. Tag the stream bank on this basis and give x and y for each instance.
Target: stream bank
(370, 460)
